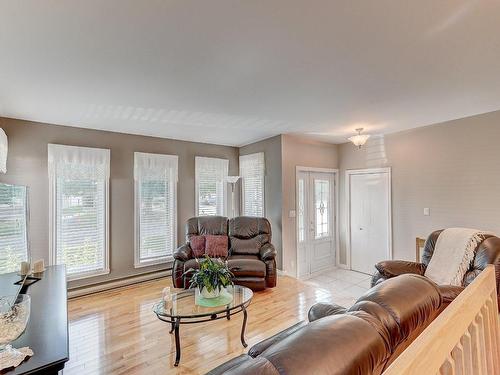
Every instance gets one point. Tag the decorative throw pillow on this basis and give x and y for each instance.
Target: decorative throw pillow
(197, 244)
(216, 246)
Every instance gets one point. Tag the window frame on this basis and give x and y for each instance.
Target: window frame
(197, 187)
(53, 225)
(137, 238)
(263, 182)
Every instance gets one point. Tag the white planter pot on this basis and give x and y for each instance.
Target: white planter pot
(206, 294)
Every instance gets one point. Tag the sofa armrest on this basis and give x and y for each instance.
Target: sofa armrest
(450, 292)
(267, 252)
(393, 268)
(183, 253)
(320, 310)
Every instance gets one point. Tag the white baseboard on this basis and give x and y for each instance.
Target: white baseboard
(78, 292)
(283, 273)
(343, 266)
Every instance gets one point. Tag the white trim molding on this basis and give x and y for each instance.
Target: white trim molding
(115, 284)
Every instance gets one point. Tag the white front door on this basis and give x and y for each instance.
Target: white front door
(315, 222)
(369, 214)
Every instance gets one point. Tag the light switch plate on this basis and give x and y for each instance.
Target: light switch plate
(427, 211)
(291, 213)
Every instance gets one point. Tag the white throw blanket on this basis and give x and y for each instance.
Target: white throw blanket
(453, 254)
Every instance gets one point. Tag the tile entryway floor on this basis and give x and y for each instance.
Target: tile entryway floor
(345, 286)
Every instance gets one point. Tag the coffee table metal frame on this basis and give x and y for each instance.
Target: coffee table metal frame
(176, 321)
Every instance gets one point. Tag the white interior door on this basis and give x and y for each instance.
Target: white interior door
(315, 222)
(369, 218)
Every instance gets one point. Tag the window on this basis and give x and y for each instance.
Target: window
(252, 173)
(155, 208)
(79, 209)
(211, 184)
(13, 227)
(301, 214)
(321, 201)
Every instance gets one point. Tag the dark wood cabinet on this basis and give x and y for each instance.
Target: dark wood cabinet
(47, 330)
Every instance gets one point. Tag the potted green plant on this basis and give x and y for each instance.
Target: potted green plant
(212, 276)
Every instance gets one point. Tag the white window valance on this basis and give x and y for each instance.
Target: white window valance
(155, 166)
(78, 162)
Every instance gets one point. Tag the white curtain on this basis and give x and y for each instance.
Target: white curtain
(78, 162)
(4, 148)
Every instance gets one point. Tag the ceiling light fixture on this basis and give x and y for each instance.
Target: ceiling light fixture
(359, 139)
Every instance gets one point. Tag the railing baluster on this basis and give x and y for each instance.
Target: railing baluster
(458, 357)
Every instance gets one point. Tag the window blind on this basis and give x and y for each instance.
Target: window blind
(156, 207)
(13, 227)
(252, 171)
(211, 174)
(79, 209)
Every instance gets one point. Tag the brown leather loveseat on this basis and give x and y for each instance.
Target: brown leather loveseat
(363, 339)
(487, 252)
(251, 255)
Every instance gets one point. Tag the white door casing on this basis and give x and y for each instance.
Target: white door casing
(369, 223)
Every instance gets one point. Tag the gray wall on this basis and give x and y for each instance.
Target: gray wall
(298, 151)
(273, 186)
(282, 154)
(27, 165)
(453, 168)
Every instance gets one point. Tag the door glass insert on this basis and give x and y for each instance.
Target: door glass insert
(321, 202)
(301, 218)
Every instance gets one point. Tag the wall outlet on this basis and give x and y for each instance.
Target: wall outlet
(427, 211)
(292, 213)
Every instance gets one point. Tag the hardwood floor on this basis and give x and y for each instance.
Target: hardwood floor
(116, 332)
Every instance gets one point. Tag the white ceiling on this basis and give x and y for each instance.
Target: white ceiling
(232, 72)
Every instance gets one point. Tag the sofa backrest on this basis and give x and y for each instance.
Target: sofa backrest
(401, 305)
(337, 344)
(203, 225)
(248, 234)
(360, 341)
(487, 252)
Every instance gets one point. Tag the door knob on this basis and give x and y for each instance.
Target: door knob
(360, 228)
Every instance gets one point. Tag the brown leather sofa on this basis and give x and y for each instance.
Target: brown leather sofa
(363, 339)
(487, 252)
(251, 255)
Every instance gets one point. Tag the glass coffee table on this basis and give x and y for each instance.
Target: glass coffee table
(184, 310)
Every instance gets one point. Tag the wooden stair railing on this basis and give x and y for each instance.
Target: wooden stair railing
(464, 339)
